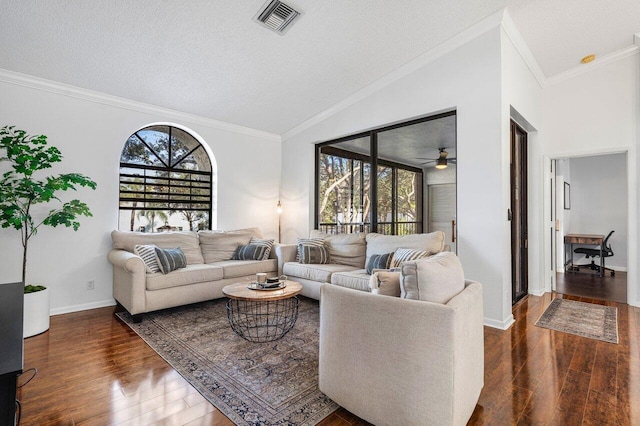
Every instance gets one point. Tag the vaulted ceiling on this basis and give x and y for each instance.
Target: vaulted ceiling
(211, 59)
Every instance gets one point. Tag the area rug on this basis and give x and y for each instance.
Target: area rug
(583, 319)
(251, 383)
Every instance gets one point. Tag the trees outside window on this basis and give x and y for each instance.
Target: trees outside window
(166, 181)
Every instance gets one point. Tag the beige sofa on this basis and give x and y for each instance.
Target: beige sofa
(349, 255)
(209, 268)
(394, 361)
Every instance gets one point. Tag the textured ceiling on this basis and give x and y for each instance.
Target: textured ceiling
(209, 58)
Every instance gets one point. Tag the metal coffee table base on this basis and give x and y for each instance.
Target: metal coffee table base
(262, 321)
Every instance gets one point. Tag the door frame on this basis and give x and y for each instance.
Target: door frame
(520, 214)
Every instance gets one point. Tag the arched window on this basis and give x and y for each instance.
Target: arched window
(166, 181)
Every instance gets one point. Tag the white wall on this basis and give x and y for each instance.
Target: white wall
(594, 113)
(522, 102)
(90, 129)
(599, 202)
(466, 79)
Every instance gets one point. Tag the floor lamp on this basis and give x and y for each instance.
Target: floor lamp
(279, 210)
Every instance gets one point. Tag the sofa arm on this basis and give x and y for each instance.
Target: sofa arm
(285, 253)
(129, 280)
(395, 361)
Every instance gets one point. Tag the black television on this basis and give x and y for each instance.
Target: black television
(11, 317)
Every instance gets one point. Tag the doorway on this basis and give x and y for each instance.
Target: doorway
(519, 229)
(591, 198)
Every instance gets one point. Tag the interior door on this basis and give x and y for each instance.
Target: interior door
(442, 211)
(519, 233)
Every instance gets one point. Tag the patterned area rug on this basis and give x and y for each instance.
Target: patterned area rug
(251, 383)
(583, 319)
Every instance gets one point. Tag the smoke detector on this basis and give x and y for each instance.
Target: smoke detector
(276, 16)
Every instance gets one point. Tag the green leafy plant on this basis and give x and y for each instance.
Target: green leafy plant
(21, 190)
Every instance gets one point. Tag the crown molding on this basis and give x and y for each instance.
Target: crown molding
(521, 46)
(460, 39)
(37, 83)
(598, 63)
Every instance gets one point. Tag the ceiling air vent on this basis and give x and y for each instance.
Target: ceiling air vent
(276, 16)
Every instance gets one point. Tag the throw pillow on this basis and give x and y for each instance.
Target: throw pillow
(317, 242)
(170, 259)
(249, 252)
(434, 279)
(148, 254)
(379, 261)
(268, 244)
(313, 254)
(385, 283)
(404, 255)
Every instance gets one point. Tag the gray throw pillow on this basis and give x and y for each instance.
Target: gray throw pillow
(250, 252)
(268, 244)
(319, 242)
(170, 259)
(379, 261)
(313, 254)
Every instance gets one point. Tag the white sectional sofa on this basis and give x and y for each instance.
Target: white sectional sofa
(209, 268)
(349, 254)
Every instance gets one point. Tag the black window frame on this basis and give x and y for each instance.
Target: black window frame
(150, 200)
(374, 161)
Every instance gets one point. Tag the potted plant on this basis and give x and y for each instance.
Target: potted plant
(20, 190)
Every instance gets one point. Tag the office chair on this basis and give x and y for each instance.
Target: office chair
(593, 253)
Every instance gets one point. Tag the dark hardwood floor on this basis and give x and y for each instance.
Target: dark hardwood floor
(586, 284)
(93, 370)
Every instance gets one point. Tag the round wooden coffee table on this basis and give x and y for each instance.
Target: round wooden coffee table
(262, 315)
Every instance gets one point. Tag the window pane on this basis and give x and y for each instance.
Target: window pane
(343, 177)
(157, 196)
(407, 206)
(385, 197)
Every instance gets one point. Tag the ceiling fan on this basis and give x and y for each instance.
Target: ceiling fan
(441, 161)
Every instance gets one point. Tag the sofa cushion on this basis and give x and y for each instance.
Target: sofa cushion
(148, 254)
(344, 249)
(192, 274)
(432, 242)
(186, 240)
(358, 279)
(405, 255)
(433, 279)
(170, 259)
(385, 283)
(220, 245)
(243, 268)
(379, 261)
(313, 272)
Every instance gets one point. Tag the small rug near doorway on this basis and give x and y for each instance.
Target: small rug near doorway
(583, 319)
(251, 383)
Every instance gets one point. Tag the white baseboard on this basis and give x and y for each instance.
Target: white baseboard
(83, 307)
(502, 325)
(538, 292)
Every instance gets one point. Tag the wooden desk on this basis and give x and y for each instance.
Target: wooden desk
(584, 239)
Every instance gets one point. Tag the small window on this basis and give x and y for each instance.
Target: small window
(166, 181)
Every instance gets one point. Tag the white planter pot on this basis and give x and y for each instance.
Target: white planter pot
(36, 312)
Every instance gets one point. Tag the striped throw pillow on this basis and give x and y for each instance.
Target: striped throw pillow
(317, 242)
(250, 252)
(379, 261)
(313, 254)
(148, 254)
(170, 259)
(403, 255)
(268, 244)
